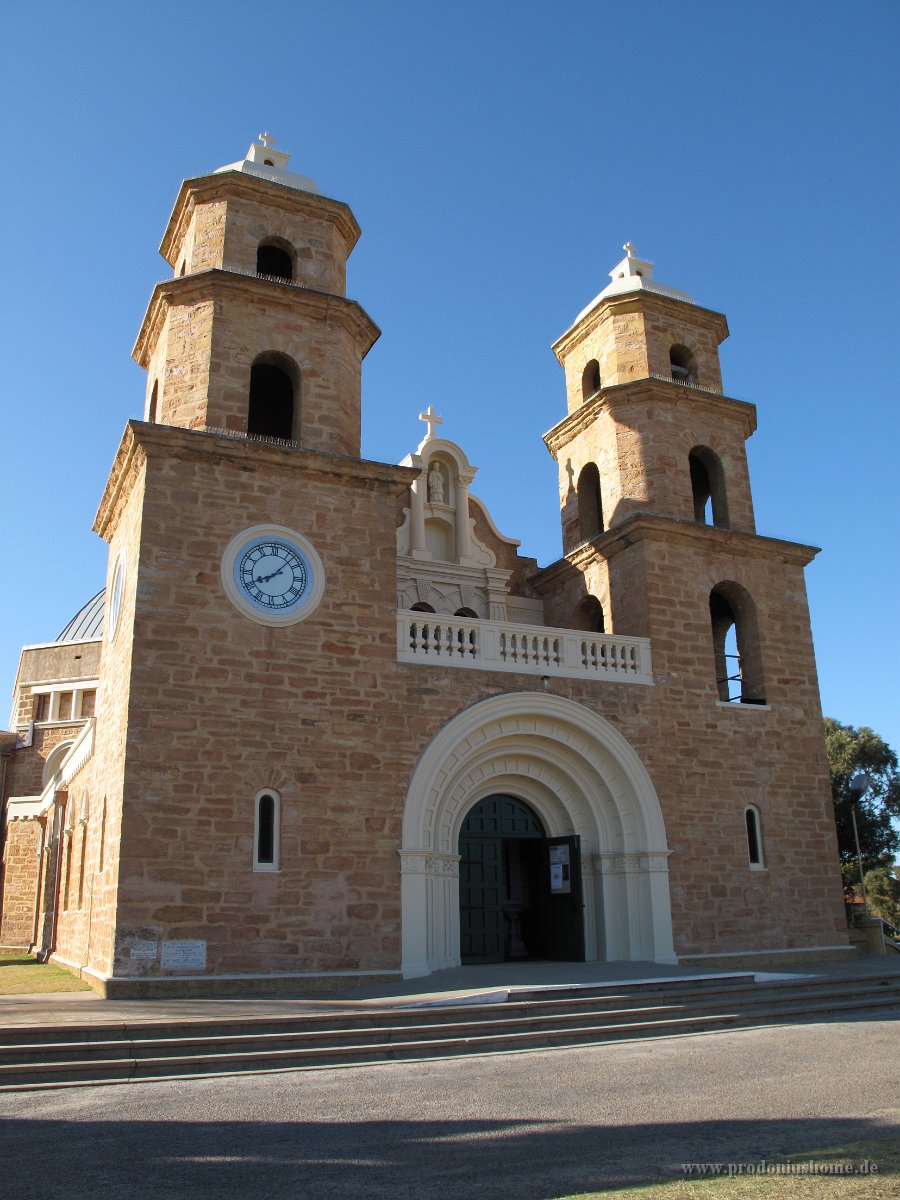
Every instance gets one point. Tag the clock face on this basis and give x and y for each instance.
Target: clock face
(117, 587)
(272, 575)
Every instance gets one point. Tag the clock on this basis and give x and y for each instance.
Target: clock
(116, 590)
(272, 575)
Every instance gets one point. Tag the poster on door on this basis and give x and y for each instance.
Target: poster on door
(560, 870)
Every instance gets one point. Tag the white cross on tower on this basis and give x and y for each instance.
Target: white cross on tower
(430, 417)
(266, 139)
(630, 249)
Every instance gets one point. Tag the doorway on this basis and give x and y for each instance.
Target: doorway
(519, 891)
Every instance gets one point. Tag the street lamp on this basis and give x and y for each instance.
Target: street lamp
(857, 787)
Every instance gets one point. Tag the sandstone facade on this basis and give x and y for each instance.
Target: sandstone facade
(259, 801)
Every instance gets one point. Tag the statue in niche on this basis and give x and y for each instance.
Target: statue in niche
(435, 485)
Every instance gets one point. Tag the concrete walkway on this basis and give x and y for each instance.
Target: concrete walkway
(457, 985)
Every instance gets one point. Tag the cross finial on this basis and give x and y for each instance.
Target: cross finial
(266, 139)
(430, 417)
(630, 249)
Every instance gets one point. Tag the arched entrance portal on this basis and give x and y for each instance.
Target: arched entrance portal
(582, 780)
(519, 892)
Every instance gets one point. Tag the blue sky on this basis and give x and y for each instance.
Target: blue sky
(497, 155)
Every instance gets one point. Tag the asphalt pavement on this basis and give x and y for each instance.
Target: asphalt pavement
(515, 1126)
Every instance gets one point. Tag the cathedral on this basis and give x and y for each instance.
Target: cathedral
(325, 724)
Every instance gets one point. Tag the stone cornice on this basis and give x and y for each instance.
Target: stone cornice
(204, 285)
(205, 188)
(650, 527)
(644, 390)
(637, 301)
(127, 465)
(142, 441)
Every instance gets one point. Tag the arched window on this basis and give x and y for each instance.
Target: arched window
(754, 838)
(588, 616)
(590, 505)
(708, 487)
(54, 761)
(267, 832)
(275, 258)
(683, 364)
(422, 607)
(590, 380)
(739, 675)
(154, 398)
(273, 408)
(466, 612)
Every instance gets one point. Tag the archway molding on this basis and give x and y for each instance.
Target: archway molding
(581, 777)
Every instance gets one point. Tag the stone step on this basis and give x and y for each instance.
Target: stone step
(531, 1004)
(398, 1034)
(398, 1024)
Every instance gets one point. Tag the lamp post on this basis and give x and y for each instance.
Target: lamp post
(857, 787)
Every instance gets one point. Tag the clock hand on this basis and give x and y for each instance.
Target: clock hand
(266, 578)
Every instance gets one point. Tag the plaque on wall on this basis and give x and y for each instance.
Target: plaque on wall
(185, 956)
(142, 948)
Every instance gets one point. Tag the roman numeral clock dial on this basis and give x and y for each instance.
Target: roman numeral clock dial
(272, 575)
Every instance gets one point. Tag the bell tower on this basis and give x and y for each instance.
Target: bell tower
(255, 334)
(659, 537)
(648, 429)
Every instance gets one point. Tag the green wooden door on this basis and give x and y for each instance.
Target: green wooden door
(482, 885)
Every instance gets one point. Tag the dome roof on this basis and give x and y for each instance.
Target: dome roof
(87, 624)
(265, 162)
(634, 274)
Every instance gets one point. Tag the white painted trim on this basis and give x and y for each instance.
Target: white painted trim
(469, 643)
(490, 520)
(582, 777)
(797, 951)
(50, 645)
(23, 808)
(164, 979)
(79, 684)
(736, 704)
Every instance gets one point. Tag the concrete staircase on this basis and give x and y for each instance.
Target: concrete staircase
(530, 1019)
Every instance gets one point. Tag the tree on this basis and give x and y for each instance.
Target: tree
(883, 892)
(851, 750)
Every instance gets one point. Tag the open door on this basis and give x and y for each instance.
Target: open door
(565, 916)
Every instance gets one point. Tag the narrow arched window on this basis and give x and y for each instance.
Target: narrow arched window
(683, 364)
(735, 636)
(271, 410)
(267, 832)
(590, 505)
(588, 616)
(274, 260)
(708, 487)
(590, 380)
(154, 399)
(754, 838)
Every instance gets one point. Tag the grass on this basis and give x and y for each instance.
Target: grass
(20, 975)
(881, 1185)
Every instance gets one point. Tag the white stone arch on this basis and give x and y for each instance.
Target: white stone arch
(582, 777)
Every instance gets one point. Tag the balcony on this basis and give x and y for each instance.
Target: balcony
(436, 640)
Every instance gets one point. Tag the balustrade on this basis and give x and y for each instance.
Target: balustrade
(434, 639)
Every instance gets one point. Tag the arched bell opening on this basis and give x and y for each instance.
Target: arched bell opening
(275, 259)
(273, 406)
